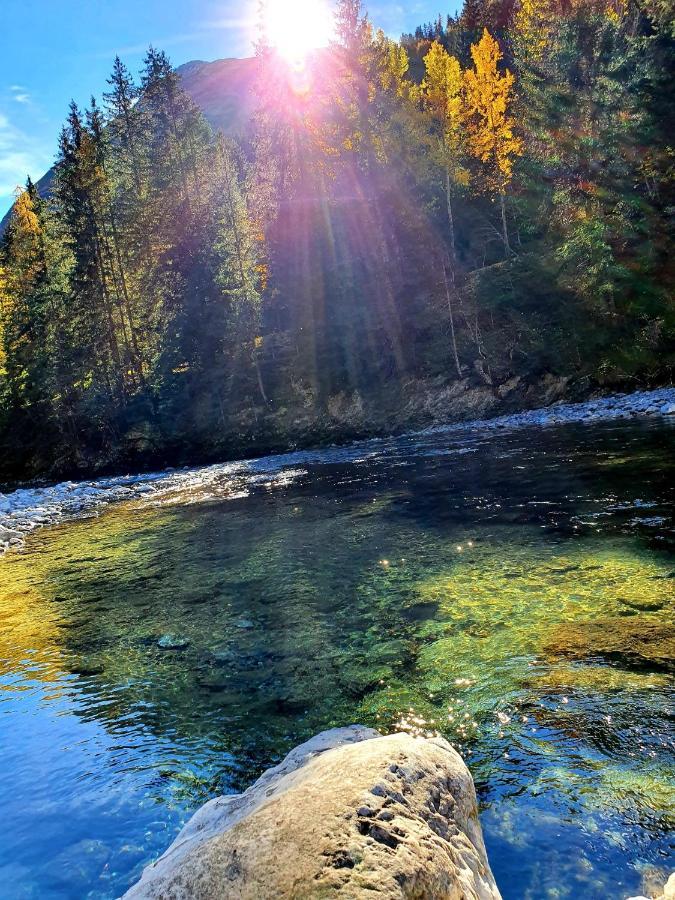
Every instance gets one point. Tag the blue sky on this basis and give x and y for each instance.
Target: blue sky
(55, 50)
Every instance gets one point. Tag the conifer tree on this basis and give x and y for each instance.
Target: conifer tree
(78, 191)
(178, 133)
(351, 27)
(354, 33)
(126, 126)
(241, 271)
(126, 142)
(103, 201)
(472, 17)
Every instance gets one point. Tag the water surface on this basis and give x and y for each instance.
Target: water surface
(171, 648)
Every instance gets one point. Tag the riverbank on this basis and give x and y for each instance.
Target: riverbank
(27, 508)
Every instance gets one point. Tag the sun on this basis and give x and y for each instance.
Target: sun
(296, 27)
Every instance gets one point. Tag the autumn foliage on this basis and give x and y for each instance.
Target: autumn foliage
(487, 202)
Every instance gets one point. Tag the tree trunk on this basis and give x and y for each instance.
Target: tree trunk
(448, 297)
(451, 220)
(258, 373)
(505, 230)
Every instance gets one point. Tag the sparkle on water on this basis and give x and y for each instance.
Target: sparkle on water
(157, 655)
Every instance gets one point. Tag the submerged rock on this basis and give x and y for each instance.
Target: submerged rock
(643, 604)
(172, 642)
(632, 642)
(349, 813)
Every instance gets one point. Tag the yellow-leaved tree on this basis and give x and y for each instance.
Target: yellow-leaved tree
(491, 139)
(21, 266)
(393, 64)
(442, 98)
(442, 95)
(531, 30)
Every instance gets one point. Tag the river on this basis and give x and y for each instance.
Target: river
(167, 647)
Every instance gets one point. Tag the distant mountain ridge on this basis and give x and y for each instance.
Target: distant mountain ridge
(222, 89)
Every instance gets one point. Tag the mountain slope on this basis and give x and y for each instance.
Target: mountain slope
(223, 90)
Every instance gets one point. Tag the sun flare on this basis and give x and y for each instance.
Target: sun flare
(296, 27)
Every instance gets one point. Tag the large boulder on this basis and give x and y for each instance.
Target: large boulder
(668, 891)
(349, 813)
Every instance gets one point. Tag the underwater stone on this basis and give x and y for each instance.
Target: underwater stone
(297, 833)
(631, 642)
(171, 642)
(643, 604)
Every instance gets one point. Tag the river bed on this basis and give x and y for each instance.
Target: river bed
(168, 646)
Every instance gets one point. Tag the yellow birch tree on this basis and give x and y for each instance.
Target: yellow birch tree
(393, 64)
(491, 139)
(532, 24)
(442, 97)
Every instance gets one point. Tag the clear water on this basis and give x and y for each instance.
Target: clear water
(422, 583)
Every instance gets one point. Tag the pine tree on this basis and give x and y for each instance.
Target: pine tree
(103, 201)
(241, 271)
(178, 133)
(472, 17)
(95, 312)
(351, 27)
(176, 201)
(354, 37)
(126, 126)
(127, 138)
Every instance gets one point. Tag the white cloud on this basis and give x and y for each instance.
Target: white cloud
(158, 43)
(230, 24)
(19, 94)
(19, 157)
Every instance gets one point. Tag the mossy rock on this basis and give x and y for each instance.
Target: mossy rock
(632, 643)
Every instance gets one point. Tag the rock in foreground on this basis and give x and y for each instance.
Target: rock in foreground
(351, 814)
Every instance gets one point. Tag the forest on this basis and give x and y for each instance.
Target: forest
(490, 198)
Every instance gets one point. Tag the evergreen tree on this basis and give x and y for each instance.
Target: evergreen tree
(241, 271)
(472, 17)
(80, 191)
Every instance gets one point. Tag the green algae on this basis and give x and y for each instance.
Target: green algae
(434, 636)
